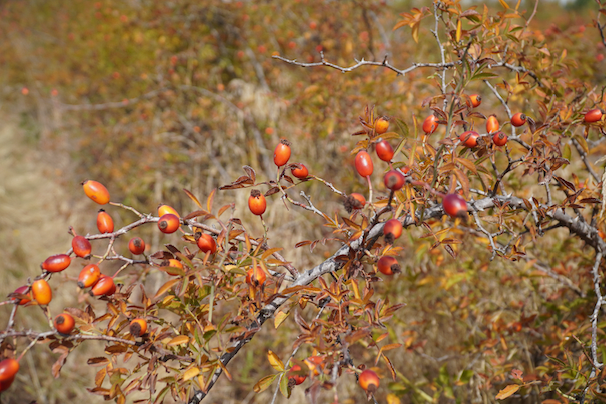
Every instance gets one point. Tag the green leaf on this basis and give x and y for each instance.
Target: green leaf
(566, 153)
(403, 127)
(284, 387)
(466, 376)
(483, 76)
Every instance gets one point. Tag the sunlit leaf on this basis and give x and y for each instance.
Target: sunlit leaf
(275, 361)
(279, 318)
(507, 391)
(180, 340)
(191, 373)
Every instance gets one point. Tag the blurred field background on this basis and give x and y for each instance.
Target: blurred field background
(151, 97)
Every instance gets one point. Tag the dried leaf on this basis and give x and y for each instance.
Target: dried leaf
(100, 376)
(250, 172)
(302, 243)
(97, 361)
(196, 213)
(56, 368)
(272, 191)
(392, 370)
(468, 164)
(516, 374)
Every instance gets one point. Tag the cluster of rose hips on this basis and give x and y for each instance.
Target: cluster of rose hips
(90, 276)
(394, 180)
(256, 201)
(367, 379)
(257, 204)
(102, 285)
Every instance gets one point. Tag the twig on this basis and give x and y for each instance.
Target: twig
(536, 4)
(583, 155)
(135, 211)
(436, 35)
(513, 136)
(329, 185)
(596, 310)
(292, 355)
(363, 62)
(489, 235)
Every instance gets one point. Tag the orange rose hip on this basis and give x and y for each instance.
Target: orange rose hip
(282, 153)
(42, 292)
(105, 223)
(256, 202)
(56, 263)
(138, 327)
(136, 245)
(96, 191)
(64, 323)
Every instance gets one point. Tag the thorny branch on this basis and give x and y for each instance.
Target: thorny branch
(437, 36)
(594, 318)
(582, 229)
(292, 355)
(360, 63)
(585, 159)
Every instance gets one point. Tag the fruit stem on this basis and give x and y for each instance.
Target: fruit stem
(136, 212)
(390, 198)
(369, 192)
(264, 228)
(120, 270)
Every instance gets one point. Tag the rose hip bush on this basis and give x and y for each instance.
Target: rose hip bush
(465, 259)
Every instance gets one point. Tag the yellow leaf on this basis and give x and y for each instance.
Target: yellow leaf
(415, 32)
(191, 373)
(180, 340)
(264, 383)
(280, 317)
(400, 24)
(507, 391)
(225, 371)
(458, 37)
(310, 289)
(504, 4)
(165, 288)
(392, 399)
(275, 362)
(389, 347)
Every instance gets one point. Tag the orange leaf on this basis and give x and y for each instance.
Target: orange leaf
(209, 201)
(193, 198)
(180, 340)
(507, 391)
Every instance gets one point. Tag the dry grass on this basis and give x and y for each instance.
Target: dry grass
(35, 212)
